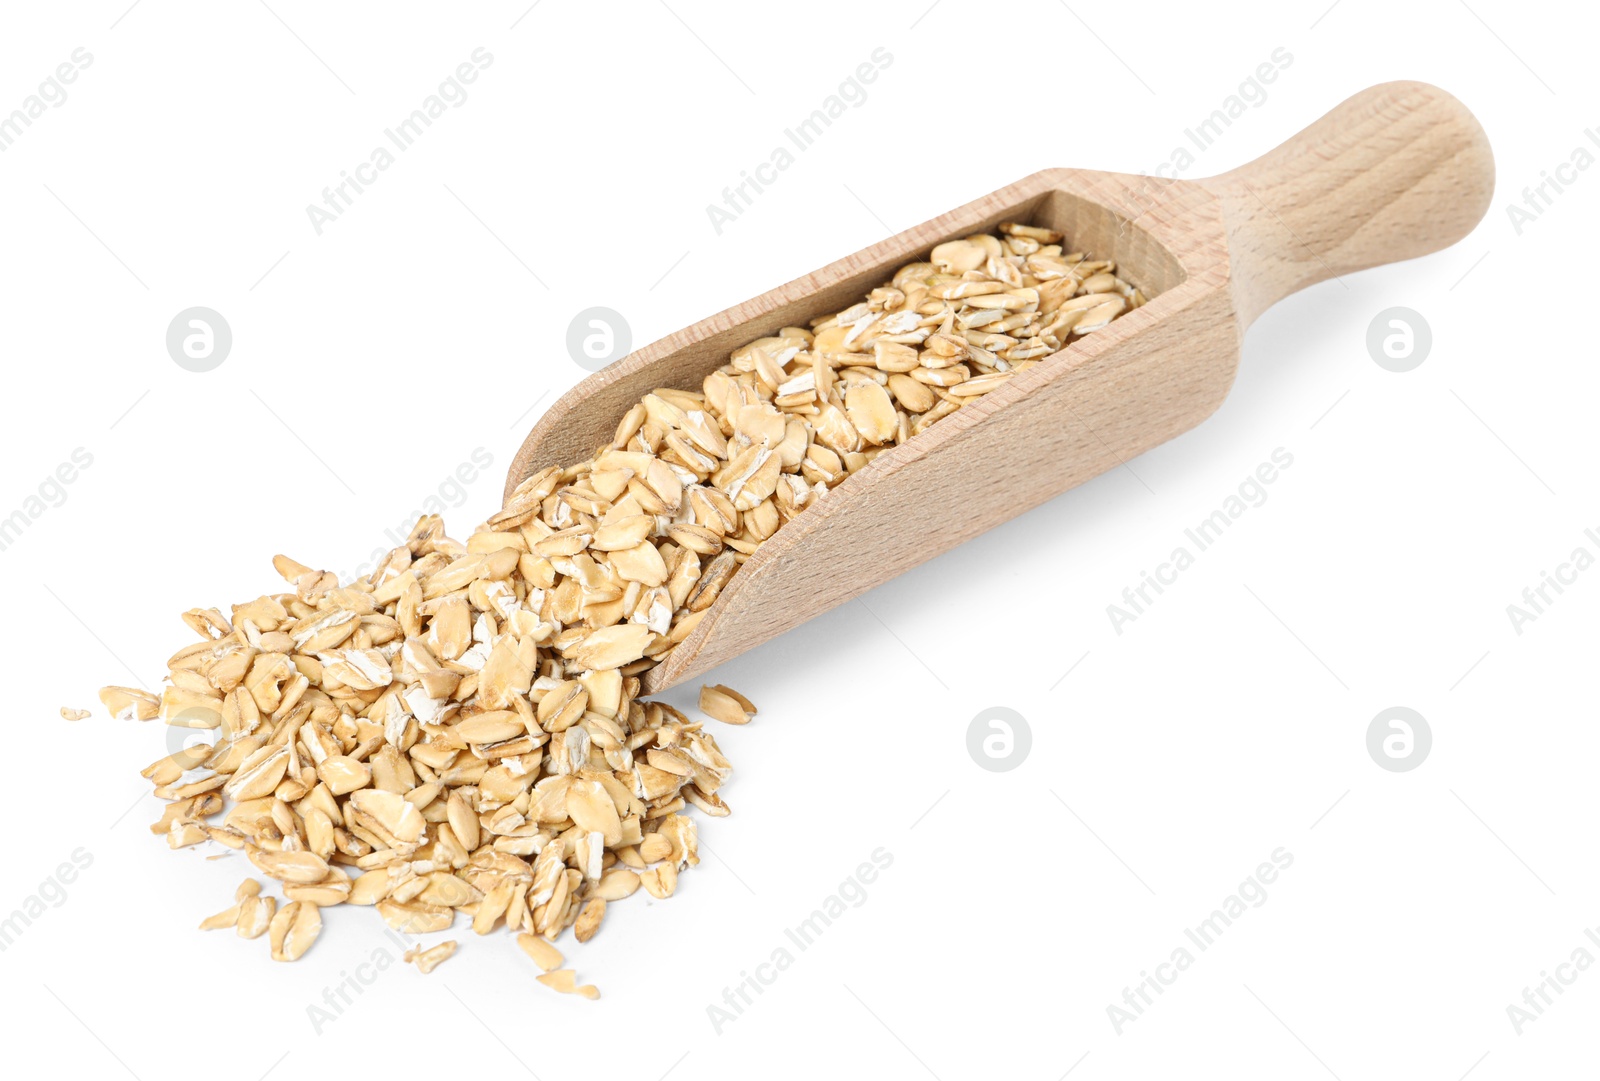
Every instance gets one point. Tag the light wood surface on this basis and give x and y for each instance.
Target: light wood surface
(1396, 172)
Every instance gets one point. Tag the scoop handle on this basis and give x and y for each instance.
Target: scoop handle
(1397, 171)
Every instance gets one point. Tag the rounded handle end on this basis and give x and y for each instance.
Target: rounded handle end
(1395, 172)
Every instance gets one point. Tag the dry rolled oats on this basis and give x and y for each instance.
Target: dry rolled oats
(566, 981)
(726, 705)
(460, 730)
(429, 959)
(130, 703)
(542, 953)
(293, 930)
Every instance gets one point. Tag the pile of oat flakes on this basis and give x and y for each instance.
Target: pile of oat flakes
(459, 731)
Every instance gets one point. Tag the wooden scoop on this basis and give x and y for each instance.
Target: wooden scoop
(1398, 171)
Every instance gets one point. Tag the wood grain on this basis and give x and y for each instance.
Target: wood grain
(1395, 172)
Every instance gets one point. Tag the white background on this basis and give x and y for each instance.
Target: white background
(1229, 720)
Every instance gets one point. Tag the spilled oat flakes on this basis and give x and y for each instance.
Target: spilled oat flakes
(459, 732)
